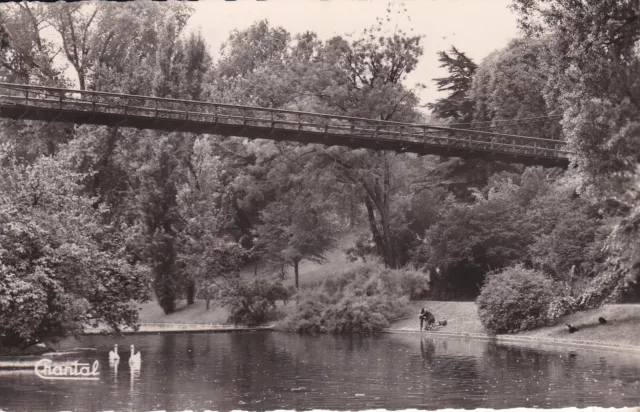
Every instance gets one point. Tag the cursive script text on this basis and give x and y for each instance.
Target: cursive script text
(45, 369)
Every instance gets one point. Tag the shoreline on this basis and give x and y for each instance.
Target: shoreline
(160, 328)
(170, 328)
(9, 361)
(527, 340)
(152, 328)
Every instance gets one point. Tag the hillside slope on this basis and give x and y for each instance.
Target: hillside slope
(309, 273)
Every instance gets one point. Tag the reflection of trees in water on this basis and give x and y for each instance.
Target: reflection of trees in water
(443, 373)
(163, 371)
(271, 371)
(246, 367)
(562, 377)
(191, 351)
(516, 371)
(413, 370)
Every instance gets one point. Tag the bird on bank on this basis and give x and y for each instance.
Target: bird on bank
(572, 329)
(135, 359)
(113, 355)
(602, 320)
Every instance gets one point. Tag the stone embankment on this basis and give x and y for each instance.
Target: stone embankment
(159, 327)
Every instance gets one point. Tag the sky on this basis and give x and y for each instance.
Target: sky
(476, 27)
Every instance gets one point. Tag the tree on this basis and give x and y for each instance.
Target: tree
(208, 252)
(161, 221)
(26, 54)
(594, 65)
(508, 92)
(295, 228)
(594, 62)
(471, 240)
(360, 77)
(537, 218)
(120, 49)
(62, 267)
(457, 105)
(368, 77)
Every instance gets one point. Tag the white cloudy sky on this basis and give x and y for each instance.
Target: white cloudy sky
(476, 27)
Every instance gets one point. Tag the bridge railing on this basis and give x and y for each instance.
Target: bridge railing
(276, 119)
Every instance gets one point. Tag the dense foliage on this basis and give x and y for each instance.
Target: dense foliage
(363, 299)
(61, 267)
(534, 217)
(93, 218)
(250, 302)
(515, 299)
(457, 105)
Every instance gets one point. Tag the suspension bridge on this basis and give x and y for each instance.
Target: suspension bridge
(50, 104)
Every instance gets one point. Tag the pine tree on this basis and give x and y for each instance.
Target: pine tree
(457, 105)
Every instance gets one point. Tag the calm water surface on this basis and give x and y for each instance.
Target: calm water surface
(266, 371)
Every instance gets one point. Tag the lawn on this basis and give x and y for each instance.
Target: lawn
(622, 327)
(309, 273)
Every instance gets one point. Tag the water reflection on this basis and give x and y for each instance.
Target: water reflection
(266, 371)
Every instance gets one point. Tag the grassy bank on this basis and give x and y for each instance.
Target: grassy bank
(151, 312)
(622, 327)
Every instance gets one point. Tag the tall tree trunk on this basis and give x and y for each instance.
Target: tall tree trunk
(164, 283)
(375, 233)
(295, 270)
(103, 163)
(381, 232)
(191, 292)
(390, 255)
(385, 215)
(353, 212)
(165, 291)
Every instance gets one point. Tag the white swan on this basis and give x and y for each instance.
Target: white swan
(135, 359)
(113, 355)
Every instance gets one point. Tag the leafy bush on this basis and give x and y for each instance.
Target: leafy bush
(363, 299)
(515, 299)
(61, 267)
(249, 302)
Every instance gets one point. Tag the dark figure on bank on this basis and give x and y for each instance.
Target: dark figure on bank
(571, 328)
(426, 318)
(602, 320)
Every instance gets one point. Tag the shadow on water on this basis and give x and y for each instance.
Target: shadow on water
(266, 371)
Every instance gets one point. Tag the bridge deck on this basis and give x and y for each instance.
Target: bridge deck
(143, 112)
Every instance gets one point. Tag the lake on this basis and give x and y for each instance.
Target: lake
(270, 370)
